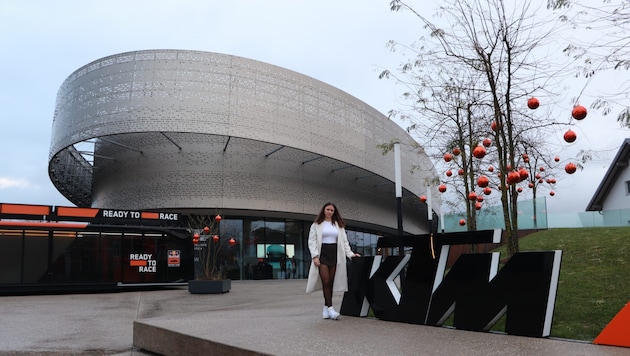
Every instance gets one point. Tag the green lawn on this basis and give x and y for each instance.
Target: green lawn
(594, 277)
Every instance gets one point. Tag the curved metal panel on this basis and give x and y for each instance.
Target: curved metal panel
(196, 129)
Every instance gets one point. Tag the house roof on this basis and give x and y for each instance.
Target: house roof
(618, 164)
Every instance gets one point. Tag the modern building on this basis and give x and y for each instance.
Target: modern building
(612, 197)
(265, 147)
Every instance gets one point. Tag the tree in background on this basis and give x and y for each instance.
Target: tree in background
(603, 46)
(468, 87)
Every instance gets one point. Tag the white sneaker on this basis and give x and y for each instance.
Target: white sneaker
(325, 314)
(332, 313)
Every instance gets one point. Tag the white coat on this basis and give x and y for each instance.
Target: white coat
(340, 284)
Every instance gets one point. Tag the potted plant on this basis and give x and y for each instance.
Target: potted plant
(209, 271)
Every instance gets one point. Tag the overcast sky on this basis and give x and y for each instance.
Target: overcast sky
(340, 42)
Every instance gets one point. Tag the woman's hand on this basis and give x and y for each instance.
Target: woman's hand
(356, 255)
(316, 261)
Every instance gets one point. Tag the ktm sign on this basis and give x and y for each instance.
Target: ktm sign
(474, 291)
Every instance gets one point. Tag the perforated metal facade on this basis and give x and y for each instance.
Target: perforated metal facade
(186, 129)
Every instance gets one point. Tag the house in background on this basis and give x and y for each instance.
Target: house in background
(612, 197)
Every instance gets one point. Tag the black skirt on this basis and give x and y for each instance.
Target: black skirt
(328, 255)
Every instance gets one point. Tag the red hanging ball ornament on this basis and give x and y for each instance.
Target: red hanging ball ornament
(533, 103)
(487, 191)
(494, 126)
(423, 198)
(552, 193)
(232, 241)
(513, 177)
(486, 142)
(460, 172)
(483, 181)
(206, 230)
(456, 151)
(578, 112)
(217, 218)
(570, 136)
(479, 152)
(570, 168)
(442, 188)
(462, 222)
(448, 157)
(449, 173)
(472, 196)
(477, 205)
(523, 174)
(557, 159)
(215, 238)
(490, 169)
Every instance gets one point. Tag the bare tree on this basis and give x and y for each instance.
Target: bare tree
(602, 47)
(470, 81)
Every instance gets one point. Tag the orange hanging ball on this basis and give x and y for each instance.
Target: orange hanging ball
(533, 103)
(483, 181)
(462, 222)
(479, 152)
(579, 112)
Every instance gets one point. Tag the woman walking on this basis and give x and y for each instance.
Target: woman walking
(329, 247)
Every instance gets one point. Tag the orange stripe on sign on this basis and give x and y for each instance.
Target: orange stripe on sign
(77, 212)
(43, 224)
(173, 260)
(147, 215)
(135, 263)
(24, 209)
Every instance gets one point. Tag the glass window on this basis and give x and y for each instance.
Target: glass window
(35, 262)
(11, 261)
(234, 255)
(295, 245)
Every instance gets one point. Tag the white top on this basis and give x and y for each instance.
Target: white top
(329, 233)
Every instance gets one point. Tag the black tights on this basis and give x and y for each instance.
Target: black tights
(327, 275)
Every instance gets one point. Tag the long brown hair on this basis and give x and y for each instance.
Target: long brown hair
(336, 217)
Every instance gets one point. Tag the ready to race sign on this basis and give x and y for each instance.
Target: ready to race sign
(144, 262)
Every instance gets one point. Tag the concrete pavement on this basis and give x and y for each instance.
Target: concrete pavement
(273, 317)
